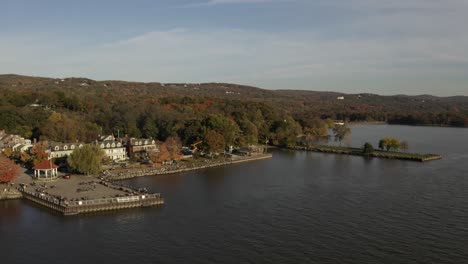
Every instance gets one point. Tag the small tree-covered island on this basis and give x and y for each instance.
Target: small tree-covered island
(65, 143)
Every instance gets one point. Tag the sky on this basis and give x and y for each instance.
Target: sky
(352, 46)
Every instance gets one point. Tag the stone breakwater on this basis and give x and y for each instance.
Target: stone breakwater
(132, 173)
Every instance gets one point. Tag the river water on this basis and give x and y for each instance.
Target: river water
(297, 207)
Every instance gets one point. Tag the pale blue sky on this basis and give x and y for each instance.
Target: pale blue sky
(352, 46)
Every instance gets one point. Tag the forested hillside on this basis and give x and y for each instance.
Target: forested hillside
(78, 109)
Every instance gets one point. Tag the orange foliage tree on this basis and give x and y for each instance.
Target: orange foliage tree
(168, 150)
(174, 146)
(8, 169)
(38, 152)
(160, 156)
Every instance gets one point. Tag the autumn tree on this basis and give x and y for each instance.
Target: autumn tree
(161, 155)
(389, 144)
(341, 132)
(8, 169)
(86, 160)
(316, 134)
(214, 141)
(37, 154)
(174, 146)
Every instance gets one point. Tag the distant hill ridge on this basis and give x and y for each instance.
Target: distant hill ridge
(14, 80)
(74, 93)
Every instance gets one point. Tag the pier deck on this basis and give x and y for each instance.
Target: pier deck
(81, 194)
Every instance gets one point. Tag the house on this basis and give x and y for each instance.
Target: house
(109, 137)
(137, 146)
(113, 149)
(60, 150)
(21, 147)
(13, 142)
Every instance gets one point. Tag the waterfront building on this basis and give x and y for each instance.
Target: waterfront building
(113, 148)
(140, 146)
(61, 150)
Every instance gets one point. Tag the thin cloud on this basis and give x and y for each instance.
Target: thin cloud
(227, 2)
(411, 48)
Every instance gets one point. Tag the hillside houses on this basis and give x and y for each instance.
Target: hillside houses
(14, 142)
(114, 149)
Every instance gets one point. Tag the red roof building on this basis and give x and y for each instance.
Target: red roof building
(46, 170)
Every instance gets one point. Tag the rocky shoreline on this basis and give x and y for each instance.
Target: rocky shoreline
(132, 173)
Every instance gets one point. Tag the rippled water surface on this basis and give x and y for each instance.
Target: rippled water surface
(295, 208)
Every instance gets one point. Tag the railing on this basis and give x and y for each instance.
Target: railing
(113, 200)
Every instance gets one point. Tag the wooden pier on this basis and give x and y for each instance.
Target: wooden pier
(96, 205)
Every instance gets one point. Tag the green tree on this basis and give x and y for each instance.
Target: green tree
(248, 132)
(367, 149)
(341, 132)
(382, 144)
(86, 160)
(149, 129)
(285, 132)
(228, 129)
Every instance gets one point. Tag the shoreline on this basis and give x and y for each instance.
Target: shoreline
(11, 193)
(138, 172)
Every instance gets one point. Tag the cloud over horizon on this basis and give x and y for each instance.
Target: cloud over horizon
(386, 47)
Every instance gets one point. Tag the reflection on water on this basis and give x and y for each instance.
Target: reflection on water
(298, 207)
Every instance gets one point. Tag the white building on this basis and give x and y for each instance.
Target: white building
(113, 149)
(60, 150)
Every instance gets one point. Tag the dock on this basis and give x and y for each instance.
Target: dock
(89, 206)
(82, 194)
(375, 154)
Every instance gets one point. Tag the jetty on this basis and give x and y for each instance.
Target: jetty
(375, 153)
